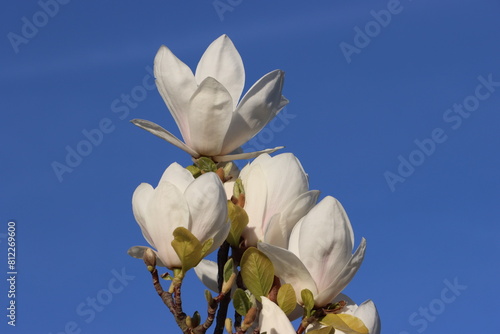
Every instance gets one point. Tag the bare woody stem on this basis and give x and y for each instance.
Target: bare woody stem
(168, 300)
(174, 303)
(222, 257)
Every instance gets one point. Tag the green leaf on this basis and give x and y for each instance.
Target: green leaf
(238, 188)
(188, 248)
(239, 220)
(307, 300)
(346, 323)
(206, 164)
(241, 302)
(205, 248)
(286, 298)
(324, 330)
(208, 296)
(195, 171)
(228, 270)
(257, 272)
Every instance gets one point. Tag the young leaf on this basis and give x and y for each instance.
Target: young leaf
(187, 247)
(308, 300)
(324, 330)
(208, 297)
(194, 170)
(241, 302)
(347, 323)
(206, 247)
(286, 298)
(206, 164)
(239, 220)
(257, 272)
(228, 270)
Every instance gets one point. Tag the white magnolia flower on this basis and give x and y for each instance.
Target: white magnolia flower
(273, 320)
(367, 312)
(319, 255)
(277, 195)
(206, 106)
(199, 205)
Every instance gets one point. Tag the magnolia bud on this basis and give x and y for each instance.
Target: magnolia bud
(189, 323)
(229, 169)
(195, 319)
(249, 318)
(226, 286)
(238, 188)
(229, 325)
(149, 258)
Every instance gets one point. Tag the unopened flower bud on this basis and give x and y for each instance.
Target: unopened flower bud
(195, 319)
(226, 286)
(238, 188)
(249, 318)
(230, 169)
(189, 323)
(149, 258)
(229, 325)
(220, 174)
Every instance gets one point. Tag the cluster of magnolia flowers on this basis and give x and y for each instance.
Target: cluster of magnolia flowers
(281, 254)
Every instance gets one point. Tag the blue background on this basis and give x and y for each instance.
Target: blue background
(348, 122)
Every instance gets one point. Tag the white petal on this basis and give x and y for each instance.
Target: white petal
(222, 61)
(281, 225)
(138, 253)
(209, 117)
(167, 211)
(342, 280)
(294, 240)
(259, 105)
(255, 205)
(178, 176)
(286, 180)
(176, 84)
(295, 210)
(207, 271)
(208, 208)
(369, 314)
(289, 268)
(164, 134)
(248, 155)
(273, 233)
(140, 202)
(273, 320)
(328, 231)
(229, 188)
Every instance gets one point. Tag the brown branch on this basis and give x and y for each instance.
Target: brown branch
(168, 300)
(212, 309)
(178, 300)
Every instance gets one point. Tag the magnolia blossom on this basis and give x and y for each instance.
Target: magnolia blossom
(319, 255)
(277, 195)
(273, 320)
(206, 106)
(367, 312)
(199, 205)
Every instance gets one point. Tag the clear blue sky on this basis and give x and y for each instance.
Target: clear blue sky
(361, 105)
